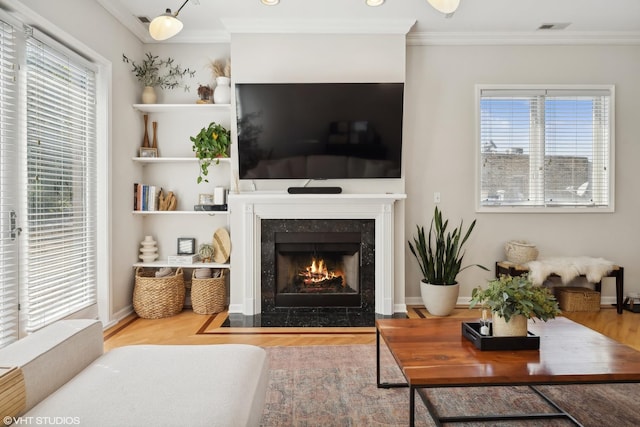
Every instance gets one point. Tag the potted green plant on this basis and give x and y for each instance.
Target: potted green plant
(154, 72)
(210, 144)
(512, 300)
(439, 254)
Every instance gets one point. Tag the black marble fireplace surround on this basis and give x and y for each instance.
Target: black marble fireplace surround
(363, 314)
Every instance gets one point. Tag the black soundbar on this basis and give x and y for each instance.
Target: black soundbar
(314, 190)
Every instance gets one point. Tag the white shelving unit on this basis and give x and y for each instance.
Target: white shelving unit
(176, 169)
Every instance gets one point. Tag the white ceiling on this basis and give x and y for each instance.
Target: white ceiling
(591, 21)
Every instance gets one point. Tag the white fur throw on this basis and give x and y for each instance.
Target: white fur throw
(568, 268)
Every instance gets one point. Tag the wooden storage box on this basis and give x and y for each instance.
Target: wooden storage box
(577, 299)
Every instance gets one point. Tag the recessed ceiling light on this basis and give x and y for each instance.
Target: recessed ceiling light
(270, 2)
(374, 2)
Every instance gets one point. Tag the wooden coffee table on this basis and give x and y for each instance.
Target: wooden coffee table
(433, 353)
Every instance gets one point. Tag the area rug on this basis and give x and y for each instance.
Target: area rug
(336, 386)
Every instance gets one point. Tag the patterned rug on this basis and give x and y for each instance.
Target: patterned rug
(336, 386)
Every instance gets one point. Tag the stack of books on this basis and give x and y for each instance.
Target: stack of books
(145, 197)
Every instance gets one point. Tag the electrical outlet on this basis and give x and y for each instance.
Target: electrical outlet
(436, 197)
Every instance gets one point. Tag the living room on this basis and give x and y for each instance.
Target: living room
(439, 125)
(440, 71)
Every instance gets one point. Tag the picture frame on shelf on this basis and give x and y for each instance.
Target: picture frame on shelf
(148, 152)
(186, 246)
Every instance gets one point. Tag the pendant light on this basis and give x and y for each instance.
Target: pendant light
(166, 25)
(445, 6)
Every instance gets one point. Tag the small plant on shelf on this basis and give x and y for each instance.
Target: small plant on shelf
(156, 72)
(211, 143)
(205, 92)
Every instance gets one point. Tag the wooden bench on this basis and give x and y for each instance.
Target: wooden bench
(506, 267)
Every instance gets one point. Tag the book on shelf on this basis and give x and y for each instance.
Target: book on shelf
(183, 259)
(145, 197)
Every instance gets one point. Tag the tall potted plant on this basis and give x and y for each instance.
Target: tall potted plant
(439, 254)
(513, 300)
(210, 144)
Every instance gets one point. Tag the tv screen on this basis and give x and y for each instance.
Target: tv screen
(319, 130)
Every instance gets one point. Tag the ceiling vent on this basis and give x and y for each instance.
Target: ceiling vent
(143, 19)
(554, 26)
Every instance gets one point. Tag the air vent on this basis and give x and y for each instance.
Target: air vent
(143, 19)
(554, 26)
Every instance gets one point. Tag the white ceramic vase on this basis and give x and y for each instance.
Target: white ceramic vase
(222, 92)
(515, 327)
(149, 95)
(439, 300)
(148, 249)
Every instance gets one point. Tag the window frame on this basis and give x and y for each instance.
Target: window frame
(480, 208)
(22, 19)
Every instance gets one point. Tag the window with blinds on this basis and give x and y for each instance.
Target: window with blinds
(545, 148)
(8, 199)
(61, 230)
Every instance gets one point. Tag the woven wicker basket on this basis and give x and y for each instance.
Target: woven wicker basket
(208, 296)
(577, 299)
(520, 252)
(157, 297)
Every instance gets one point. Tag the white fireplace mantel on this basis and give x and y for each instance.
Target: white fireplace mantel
(249, 209)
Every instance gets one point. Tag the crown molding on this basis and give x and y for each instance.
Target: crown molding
(318, 26)
(549, 37)
(140, 30)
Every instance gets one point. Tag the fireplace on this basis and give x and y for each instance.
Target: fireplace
(317, 269)
(318, 263)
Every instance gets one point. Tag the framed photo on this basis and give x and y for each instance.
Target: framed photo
(206, 199)
(186, 246)
(148, 152)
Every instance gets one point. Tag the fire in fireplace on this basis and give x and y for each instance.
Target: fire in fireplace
(317, 269)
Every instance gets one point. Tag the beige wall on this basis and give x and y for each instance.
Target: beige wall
(440, 138)
(439, 134)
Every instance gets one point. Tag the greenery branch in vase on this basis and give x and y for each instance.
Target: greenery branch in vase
(210, 144)
(515, 298)
(154, 72)
(439, 254)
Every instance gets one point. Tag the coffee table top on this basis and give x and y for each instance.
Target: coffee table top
(433, 352)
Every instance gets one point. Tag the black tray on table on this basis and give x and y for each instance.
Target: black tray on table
(471, 331)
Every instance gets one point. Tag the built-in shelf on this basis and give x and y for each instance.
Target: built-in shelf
(172, 108)
(164, 160)
(164, 263)
(181, 212)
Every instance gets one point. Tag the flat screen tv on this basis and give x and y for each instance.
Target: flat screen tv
(319, 130)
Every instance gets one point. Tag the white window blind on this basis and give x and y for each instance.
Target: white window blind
(8, 201)
(545, 148)
(61, 231)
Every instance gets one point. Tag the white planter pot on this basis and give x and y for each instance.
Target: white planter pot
(439, 300)
(515, 327)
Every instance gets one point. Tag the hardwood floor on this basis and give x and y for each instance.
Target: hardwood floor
(190, 328)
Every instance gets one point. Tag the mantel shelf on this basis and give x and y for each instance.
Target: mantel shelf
(172, 108)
